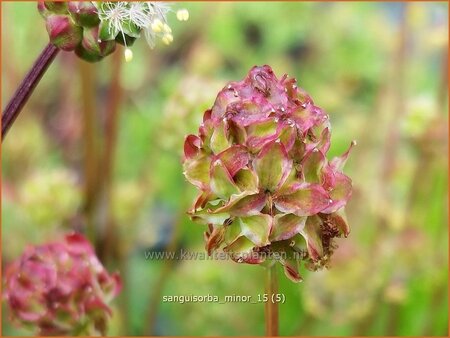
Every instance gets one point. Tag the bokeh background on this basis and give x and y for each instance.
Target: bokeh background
(98, 149)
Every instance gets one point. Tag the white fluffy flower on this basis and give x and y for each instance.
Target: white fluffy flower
(151, 17)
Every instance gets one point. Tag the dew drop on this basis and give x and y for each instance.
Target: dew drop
(354, 142)
(292, 243)
(315, 150)
(229, 87)
(330, 201)
(240, 260)
(304, 105)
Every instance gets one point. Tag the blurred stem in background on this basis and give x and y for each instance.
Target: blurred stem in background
(393, 137)
(112, 117)
(27, 87)
(91, 147)
(271, 307)
(110, 245)
(391, 144)
(157, 290)
(99, 151)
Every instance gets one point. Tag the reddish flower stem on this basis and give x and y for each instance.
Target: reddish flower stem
(27, 87)
(271, 308)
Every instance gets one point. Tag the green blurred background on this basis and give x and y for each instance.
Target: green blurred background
(98, 149)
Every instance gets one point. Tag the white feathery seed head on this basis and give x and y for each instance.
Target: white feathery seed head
(149, 16)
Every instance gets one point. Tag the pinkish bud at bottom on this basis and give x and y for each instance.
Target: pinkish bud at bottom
(60, 289)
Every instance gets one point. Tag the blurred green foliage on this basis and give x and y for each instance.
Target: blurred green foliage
(382, 87)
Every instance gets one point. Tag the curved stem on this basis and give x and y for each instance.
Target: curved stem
(271, 308)
(27, 86)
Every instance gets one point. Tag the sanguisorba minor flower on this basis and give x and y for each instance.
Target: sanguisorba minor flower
(267, 191)
(92, 29)
(61, 288)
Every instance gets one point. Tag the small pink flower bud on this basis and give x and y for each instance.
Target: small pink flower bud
(56, 6)
(63, 32)
(92, 48)
(84, 13)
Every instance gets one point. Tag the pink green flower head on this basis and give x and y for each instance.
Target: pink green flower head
(92, 29)
(60, 288)
(268, 193)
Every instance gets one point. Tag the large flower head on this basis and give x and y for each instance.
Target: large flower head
(267, 190)
(60, 288)
(92, 28)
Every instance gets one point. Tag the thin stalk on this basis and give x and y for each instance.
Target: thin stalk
(393, 137)
(271, 307)
(27, 87)
(91, 147)
(110, 246)
(110, 136)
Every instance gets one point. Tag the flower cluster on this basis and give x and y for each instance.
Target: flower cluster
(265, 183)
(92, 29)
(61, 289)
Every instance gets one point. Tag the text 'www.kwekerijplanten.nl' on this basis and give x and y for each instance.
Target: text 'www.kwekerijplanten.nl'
(181, 255)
